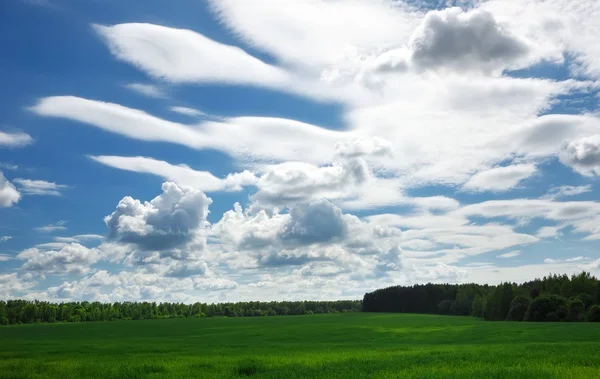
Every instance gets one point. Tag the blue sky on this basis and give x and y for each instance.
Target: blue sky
(218, 150)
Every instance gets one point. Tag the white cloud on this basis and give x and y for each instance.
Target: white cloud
(548, 231)
(510, 254)
(583, 216)
(9, 166)
(12, 285)
(314, 232)
(39, 187)
(5, 238)
(186, 269)
(247, 138)
(563, 191)
(51, 245)
(555, 26)
(80, 238)
(9, 195)
(572, 259)
(320, 221)
(532, 208)
(180, 174)
(500, 178)
(172, 219)
(318, 28)
(135, 286)
(214, 284)
(364, 147)
(180, 56)
(307, 224)
(14, 139)
(417, 244)
(188, 111)
(434, 203)
(69, 259)
(457, 40)
(59, 226)
(297, 182)
(583, 155)
(149, 90)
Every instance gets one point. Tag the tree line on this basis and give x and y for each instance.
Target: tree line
(27, 312)
(552, 298)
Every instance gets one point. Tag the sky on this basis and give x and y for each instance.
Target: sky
(225, 150)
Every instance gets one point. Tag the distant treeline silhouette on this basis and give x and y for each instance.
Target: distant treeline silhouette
(552, 298)
(27, 312)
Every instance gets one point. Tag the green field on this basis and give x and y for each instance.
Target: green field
(355, 345)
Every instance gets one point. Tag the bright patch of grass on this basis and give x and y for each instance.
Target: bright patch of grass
(354, 345)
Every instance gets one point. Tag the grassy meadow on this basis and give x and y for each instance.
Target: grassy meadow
(352, 345)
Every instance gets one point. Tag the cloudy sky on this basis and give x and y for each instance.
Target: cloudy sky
(225, 150)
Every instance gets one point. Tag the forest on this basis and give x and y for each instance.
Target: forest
(552, 298)
(27, 312)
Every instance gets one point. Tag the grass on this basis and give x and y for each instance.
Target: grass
(359, 345)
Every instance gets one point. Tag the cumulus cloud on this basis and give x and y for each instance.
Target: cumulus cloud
(70, 259)
(390, 261)
(171, 219)
(14, 139)
(149, 90)
(473, 40)
(14, 285)
(364, 147)
(583, 155)
(297, 182)
(214, 284)
(555, 27)
(39, 187)
(499, 178)
(319, 221)
(186, 269)
(5, 238)
(313, 232)
(9, 195)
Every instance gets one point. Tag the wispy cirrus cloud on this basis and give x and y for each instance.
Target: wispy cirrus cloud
(499, 178)
(149, 90)
(187, 111)
(50, 228)
(39, 187)
(510, 254)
